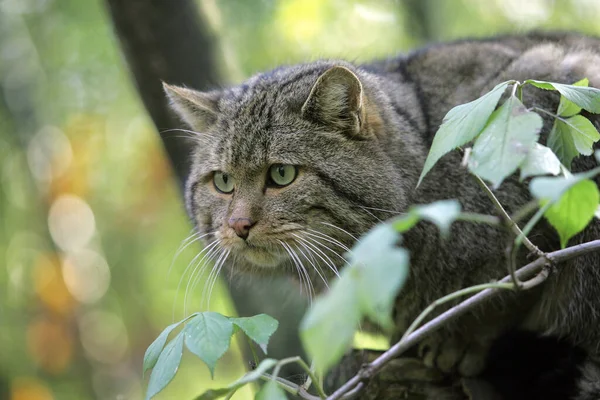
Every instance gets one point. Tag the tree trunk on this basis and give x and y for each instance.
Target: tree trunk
(166, 40)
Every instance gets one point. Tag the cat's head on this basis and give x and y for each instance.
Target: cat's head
(289, 167)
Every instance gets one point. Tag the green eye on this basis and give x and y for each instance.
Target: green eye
(282, 175)
(223, 182)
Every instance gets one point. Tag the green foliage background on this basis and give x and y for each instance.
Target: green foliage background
(90, 216)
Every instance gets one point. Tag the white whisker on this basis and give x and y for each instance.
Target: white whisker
(194, 237)
(317, 270)
(316, 250)
(190, 264)
(328, 238)
(220, 265)
(200, 266)
(340, 229)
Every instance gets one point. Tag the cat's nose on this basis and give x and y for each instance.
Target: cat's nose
(241, 226)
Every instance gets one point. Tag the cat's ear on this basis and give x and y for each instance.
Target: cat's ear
(197, 109)
(336, 100)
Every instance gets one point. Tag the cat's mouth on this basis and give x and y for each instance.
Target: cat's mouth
(259, 256)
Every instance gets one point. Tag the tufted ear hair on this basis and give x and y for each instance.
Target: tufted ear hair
(197, 109)
(336, 100)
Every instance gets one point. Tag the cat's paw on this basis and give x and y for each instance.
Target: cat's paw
(453, 354)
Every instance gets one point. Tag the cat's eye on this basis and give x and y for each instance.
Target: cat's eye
(223, 182)
(282, 174)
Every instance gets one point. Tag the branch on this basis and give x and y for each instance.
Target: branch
(534, 268)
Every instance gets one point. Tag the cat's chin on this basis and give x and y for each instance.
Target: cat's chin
(261, 258)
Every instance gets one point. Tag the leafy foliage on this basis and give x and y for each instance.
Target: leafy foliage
(505, 138)
(258, 328)
(585, 97)
(540, 161)
(366, 288)
(166, 366)
(442, 213)
(208, 336)
(505, 141)
(461, 125)
(573, 201)
(574, 210)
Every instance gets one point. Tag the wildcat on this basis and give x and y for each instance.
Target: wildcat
(293, 165)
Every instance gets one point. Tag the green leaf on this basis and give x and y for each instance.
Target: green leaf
(328, 327)
(540, 161)
(566, 108)
(562, 144)
(575, 209)
(208, 335)
(406, 222)
(258, 328)
(154, 350)
(577, 135)
(587, 98)
(442, 213)
(505, 141)
(270, 391)
(541, 84)
(461, 125)
(380, 269)
(166, 366)
(584, 134)
(552, 188)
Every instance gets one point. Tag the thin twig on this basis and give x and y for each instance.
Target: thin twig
(298, 360)
(506, 218)
(533, 268)
(524, 211)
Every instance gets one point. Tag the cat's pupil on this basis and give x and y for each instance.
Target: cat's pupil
(281, 171)
(225, 179)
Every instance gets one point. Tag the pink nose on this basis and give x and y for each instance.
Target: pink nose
(241, 226)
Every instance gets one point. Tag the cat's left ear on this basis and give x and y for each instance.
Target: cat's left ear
(197, 109)
(336, 100)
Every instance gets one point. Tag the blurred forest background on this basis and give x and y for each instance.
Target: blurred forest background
(90, 213)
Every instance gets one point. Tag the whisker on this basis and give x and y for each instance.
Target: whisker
(212, 274)
(380, 209)
(328, 238)
(328, 263)
(317, 270)
(200, 266)
(220, 264)
(190, 132)
(194, 237)
(316, 242)
(300, 271)
(311, 289)
(204, 249)
(371, 214)
(340, 229)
